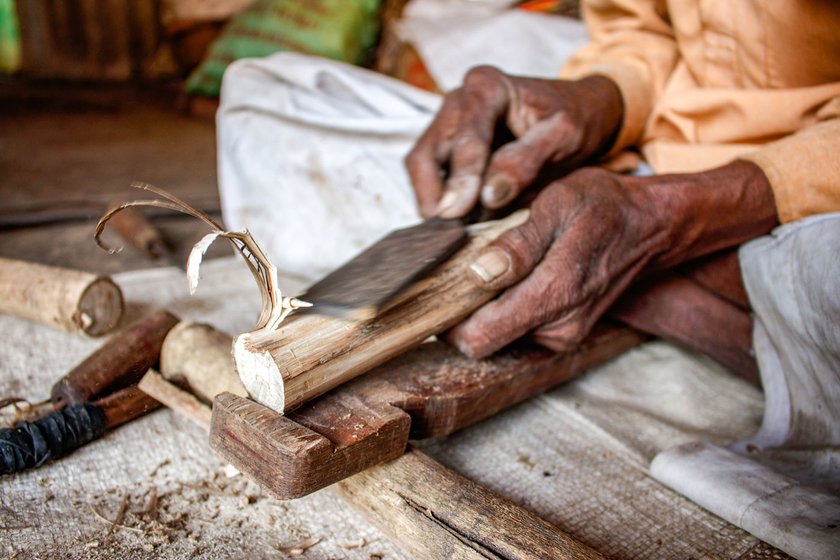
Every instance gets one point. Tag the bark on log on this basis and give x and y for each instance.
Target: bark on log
(72, 300)
(198, 356)
(310, 354)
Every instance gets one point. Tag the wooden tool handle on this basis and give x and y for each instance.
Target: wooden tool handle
(311, 354)
(72, 300)
(119, 362)
(133, 226)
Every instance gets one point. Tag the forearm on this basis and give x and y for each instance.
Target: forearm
(709, 211)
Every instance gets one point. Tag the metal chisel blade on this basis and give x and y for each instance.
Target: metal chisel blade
(367, 283)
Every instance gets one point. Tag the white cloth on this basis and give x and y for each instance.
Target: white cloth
(310, 157)
(516, 41)
(783, 485)
(311, 151)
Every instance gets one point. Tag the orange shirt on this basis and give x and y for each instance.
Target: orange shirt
(708, 81)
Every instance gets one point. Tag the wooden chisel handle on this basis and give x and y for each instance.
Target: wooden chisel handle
(119, 362)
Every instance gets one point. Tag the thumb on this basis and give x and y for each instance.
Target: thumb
(511, 257)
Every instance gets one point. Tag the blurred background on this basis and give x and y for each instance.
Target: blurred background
(95, 94)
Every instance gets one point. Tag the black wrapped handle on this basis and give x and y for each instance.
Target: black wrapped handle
(31, 444)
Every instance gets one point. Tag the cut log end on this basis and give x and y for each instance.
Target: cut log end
(100, 308)
(259, 374)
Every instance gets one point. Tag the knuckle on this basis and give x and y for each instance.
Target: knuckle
(564, 336)
(524, 246)
(480, 75)
(413, 158)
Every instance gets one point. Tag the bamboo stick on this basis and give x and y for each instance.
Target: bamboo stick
(310, 354)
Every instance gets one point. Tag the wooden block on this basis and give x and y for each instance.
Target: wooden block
(289, 459)
(310, 354)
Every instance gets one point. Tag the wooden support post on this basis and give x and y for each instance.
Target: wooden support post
(310, 354)
(72, 300)
(430, 391)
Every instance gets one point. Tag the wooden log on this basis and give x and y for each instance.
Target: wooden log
(119, 362)
(198, 356)
(430, 511)
(72, 300)
(310, 354)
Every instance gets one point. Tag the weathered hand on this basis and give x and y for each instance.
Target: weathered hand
(453, 164)
(591, 234)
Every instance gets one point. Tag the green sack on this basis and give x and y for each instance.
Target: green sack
(9, 38)
(339, 29)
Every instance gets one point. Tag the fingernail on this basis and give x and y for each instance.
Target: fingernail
(491, 265)
(496, 192)
(450, 198)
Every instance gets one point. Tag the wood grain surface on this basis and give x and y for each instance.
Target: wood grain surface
(430, 511)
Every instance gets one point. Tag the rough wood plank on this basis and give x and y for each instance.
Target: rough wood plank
(310, 354)
(430, 511)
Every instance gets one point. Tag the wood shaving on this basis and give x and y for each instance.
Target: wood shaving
(23, 410)
(112, 523)
(276, 307)
(300, 548)
(358, 544)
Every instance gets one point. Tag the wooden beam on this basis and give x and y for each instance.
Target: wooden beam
(430, 511)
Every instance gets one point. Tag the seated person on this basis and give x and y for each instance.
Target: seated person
(735, 110)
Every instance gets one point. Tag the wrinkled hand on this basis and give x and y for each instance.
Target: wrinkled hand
(591, 234)
(453, 164)
(586, 239)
